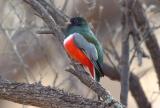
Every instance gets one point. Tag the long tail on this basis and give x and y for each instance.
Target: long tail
(97, 69)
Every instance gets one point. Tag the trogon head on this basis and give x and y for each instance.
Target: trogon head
(77, 21)
(75, 24)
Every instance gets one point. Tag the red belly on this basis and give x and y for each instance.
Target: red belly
(77, 54)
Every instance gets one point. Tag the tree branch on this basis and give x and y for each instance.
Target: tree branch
(58, 15)
(124, 71)
(96, 87)
(150, 39)
(45, 97)
(124, 62)
(135, 85)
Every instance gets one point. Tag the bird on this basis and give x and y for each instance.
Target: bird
(82, 46)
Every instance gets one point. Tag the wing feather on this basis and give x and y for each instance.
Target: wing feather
(88, 48)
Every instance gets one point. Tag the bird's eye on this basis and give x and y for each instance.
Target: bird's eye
(76, 21)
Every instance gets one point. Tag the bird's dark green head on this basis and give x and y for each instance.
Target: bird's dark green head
(78, 21)
(76, 24)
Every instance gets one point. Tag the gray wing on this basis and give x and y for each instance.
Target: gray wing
(88, 48)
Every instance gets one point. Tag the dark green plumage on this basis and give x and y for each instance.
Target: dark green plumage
(80, 25)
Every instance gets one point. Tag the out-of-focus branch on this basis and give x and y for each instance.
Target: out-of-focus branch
(65, 5)
(150, 39)
(58, 15)
(45, 97)
(45, 15)
(44, 32)
(132, 29)
(25, 67)
(135, 86)
(124, 70)
(124, 61)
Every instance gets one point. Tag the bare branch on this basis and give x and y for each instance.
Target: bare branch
(45, 97)
(135, 86)
(58, 15)
(124, 71)
(65, 5)
(24, 65)
(151, 41)
(124, 61)
(96, 87)
(45, 32)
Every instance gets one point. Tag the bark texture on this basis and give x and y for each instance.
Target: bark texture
(45, 97)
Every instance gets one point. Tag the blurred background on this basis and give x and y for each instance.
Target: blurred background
(26, 56)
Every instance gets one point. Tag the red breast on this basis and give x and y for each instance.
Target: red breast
(74, 52)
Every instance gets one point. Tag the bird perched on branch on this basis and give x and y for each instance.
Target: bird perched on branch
(82, 45)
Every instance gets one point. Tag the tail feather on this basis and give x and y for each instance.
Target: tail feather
(97, 78)
(98, 71)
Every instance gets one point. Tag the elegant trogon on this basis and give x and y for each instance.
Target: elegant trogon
(82, 45)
